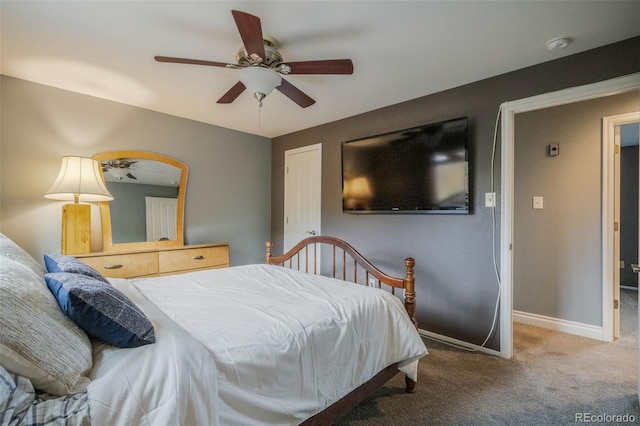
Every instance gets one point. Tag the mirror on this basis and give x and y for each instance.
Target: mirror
(147, 211)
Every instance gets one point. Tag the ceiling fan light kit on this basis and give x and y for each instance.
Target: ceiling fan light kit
(119, 173)
(260, 81)
(262, 66)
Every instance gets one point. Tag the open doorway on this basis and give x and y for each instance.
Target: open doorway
(508, 113)
(620, 201)
(558, 180)
(628, 136)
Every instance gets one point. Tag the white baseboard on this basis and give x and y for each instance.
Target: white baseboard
(571, 327)
(456, 343)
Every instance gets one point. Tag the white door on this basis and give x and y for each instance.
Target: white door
(636, 269)
(302, 193)
(616, 236)
(161, 216)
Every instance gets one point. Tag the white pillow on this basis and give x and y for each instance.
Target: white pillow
(37, 340)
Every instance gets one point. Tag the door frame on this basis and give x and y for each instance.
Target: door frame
(610, 237)
(508, 110)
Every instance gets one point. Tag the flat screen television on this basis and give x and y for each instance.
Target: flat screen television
(422, 170)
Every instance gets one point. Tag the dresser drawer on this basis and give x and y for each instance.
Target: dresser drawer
(124, 265)
(193, 258)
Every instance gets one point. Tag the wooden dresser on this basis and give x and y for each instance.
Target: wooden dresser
(154, 262)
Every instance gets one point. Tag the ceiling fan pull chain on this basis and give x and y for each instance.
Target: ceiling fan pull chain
(259, 114)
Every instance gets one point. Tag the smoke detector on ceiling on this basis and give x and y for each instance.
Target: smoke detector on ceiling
(558, 43)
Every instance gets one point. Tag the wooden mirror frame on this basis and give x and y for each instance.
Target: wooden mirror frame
(105, 213)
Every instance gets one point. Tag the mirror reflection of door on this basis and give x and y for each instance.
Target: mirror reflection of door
(161, 218)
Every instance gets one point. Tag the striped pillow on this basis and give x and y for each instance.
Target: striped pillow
(37, 340)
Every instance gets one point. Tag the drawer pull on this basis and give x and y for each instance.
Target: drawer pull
(113, 266)
(198, 257)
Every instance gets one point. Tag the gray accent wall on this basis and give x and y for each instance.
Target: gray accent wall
(456, 282)
(558, 249)
(228, 189)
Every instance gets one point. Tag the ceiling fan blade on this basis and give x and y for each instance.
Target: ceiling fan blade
(232, 93)
(330, 66)
(295, 94)
(189, 61)
(250, 30)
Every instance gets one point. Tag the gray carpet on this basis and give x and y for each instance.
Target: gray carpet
(552, 378)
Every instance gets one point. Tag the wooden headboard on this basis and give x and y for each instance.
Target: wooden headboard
(346, 264)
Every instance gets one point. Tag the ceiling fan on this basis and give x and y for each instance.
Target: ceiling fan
(119, 168)
(261, 65)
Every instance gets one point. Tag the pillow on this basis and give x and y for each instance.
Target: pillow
(56, 262)
(101, 310)
(12, 251)
(37, 340)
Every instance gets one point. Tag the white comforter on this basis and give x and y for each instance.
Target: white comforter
(284, 345)
(171, 382)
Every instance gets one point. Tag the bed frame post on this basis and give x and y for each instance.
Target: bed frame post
(268, 244)
(410, 290)
(410, 306)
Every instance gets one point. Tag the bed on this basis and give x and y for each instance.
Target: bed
(276, 343)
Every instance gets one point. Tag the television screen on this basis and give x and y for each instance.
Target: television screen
(419, 170)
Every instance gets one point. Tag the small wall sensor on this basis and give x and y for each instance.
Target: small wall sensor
(554, 149)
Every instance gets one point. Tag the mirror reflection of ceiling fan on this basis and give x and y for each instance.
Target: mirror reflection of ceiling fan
(121, 168)
(261, 65)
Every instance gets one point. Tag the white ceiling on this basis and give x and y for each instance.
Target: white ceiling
(400, 50)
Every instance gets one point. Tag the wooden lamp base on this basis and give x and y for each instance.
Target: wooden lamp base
(76, 229)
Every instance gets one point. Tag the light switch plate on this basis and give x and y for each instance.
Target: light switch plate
(489, 199)
(538, 203)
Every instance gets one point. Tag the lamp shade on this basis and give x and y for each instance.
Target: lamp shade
(260, 79)
(79, 180)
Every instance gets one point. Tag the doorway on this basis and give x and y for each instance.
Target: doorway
(628, 138)
(508, 111)
(616, 201)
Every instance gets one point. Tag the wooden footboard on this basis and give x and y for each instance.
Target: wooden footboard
(346, 264)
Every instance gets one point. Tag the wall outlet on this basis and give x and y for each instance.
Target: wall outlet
(489, 199)
(372, 282)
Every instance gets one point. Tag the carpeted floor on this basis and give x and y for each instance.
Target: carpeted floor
(553, 378)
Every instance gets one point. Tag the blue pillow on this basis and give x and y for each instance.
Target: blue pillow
(101, 310)
(56, 262)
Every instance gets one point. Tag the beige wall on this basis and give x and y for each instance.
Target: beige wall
(229, 172)
(558, 250)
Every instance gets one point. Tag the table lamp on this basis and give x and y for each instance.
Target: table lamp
(79, 180)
